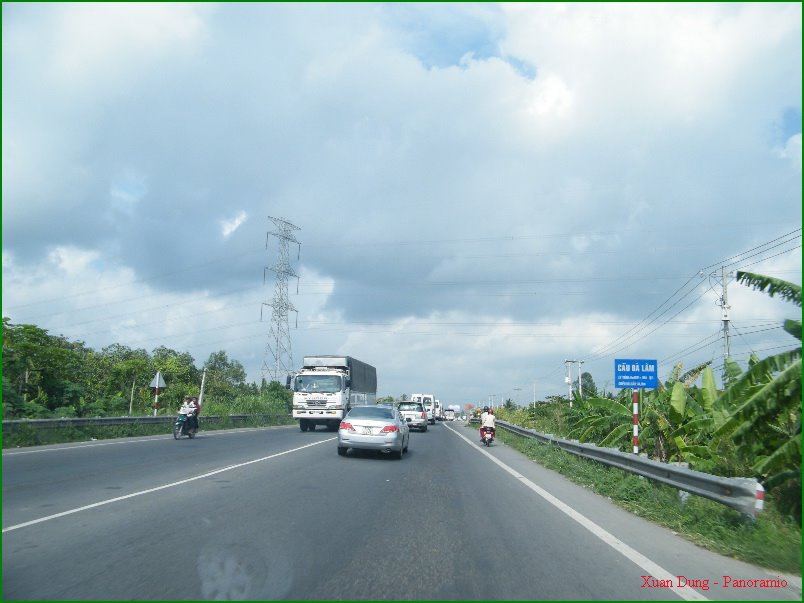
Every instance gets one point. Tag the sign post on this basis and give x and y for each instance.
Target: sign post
(635, 401)
(157, 383)
(635, 375)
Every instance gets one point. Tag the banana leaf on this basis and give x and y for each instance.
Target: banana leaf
(616, 434)
(789, 454)
(613, 406)
(708, 389)
(678, 403)
(793, 327)
(772, 286)
(765, 402)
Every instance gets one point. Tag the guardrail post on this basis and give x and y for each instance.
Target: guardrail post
(635, 400)
(759, 501)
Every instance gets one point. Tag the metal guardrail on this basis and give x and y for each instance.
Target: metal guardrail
(744, 494)
(11, 425)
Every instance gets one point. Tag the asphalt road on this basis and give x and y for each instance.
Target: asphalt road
(275, 513)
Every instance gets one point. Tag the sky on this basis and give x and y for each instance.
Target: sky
(479, 191)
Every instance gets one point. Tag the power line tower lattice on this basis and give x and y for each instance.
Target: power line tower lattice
(278, 352)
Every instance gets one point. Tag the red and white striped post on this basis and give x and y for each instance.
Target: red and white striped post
(635, 400)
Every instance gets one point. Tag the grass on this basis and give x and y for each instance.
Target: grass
(24, 435)
(772, 540)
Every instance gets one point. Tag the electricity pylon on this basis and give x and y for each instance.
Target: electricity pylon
(278, 352)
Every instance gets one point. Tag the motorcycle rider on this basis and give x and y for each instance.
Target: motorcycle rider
(487, 421)
(190, 408)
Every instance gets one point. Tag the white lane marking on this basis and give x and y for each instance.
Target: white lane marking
(219, 432)
(651, 567)
(163, 487)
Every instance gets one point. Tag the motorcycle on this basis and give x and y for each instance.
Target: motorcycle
(487, 435)
(182, 426)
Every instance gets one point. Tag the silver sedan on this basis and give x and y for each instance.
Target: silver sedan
(374, 428)
(414, 415)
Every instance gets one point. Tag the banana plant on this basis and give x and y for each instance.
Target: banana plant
(761, 410)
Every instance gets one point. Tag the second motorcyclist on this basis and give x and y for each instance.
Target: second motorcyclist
(487, 421)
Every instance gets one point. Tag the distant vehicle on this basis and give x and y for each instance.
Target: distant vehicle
(438, 411)
(429, 405)
(326, 388)
(414, 414)
(377, 427)
(449, 415)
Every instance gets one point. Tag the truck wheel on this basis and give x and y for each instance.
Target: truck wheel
(303, 425)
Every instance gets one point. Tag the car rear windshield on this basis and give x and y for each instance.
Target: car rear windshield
(410, 407)
(368, 412)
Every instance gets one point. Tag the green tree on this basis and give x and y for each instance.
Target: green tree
(589, 388)
(226, 379)
(180, 373)
(40, 367)
(279, 397)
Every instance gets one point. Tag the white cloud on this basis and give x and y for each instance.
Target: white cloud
(449, 207)
(676, 62)
(105, 40)
(229, 226)
(792, 151)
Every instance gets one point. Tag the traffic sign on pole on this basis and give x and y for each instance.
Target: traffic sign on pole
(157, 383)
(636, 374)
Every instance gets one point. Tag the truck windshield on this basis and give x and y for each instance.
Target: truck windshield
(324, 384)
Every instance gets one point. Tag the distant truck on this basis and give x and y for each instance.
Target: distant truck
(428, 400)
(438, 410)
(326, 388)
(449, 415)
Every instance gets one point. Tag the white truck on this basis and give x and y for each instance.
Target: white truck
(449, 414)
(428, 400)
(326, 388)
(438, 411)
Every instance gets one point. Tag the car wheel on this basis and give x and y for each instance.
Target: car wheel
(342, 450)
(397, 454)
(424, 429)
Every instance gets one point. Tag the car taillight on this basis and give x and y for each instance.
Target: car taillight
(345, 425)
(389, 429)
(424, 415)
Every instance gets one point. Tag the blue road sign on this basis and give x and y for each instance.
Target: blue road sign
(636, 374)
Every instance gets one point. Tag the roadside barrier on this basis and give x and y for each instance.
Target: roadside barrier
(745, 494)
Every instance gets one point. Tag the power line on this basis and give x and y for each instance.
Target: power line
(629, 338)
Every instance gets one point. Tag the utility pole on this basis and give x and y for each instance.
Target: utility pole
(723, 302)
(279, 346)
(568, 378)
(580, 381)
